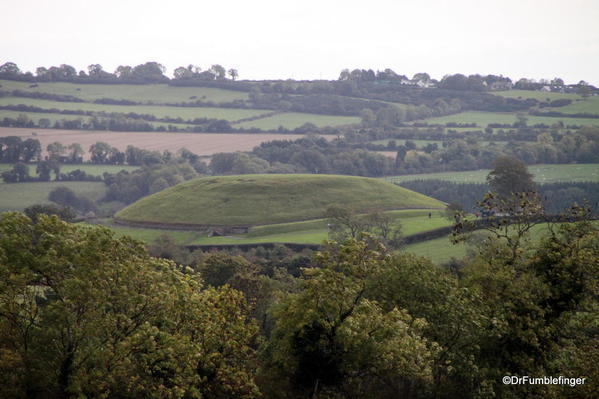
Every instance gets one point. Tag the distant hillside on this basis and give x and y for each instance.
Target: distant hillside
(266, 199)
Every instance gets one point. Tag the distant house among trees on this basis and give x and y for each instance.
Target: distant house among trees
(501, 85)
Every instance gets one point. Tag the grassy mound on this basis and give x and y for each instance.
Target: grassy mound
(266, 199)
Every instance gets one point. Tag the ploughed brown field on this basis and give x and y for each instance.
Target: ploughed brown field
(389, 154)
(204, 144)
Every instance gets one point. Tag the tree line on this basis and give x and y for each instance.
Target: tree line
(148, 72)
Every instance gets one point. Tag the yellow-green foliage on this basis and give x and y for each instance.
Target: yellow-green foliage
(265, 199)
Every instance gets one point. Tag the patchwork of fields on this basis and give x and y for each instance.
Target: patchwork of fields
(199, 143)
(542, 174)
(158, 111)
(482, 119)
(152, 100)
(146, 93)
(292, 120)
(537, 95)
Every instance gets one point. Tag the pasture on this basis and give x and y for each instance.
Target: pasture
(90, 169)
(146, 93)
(439, 250)
(588, 106)
(158, 111)
(18, 196)
(53, 118)
(542, 174)
(199, 143)
(292, 120)
(482, 119)
(536, 94)
(305, 232)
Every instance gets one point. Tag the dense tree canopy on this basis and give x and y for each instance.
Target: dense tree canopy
(83, 313)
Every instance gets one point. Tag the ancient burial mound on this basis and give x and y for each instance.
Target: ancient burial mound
(249, 200)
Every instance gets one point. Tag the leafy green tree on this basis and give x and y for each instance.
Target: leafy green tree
(65, 213)
(22, 171)
(124, 72)
(100, 152)
(533, 298)
(510, 175)
(84, 314)
(75, 153)
(10, 68)
(31, 149)
(330, 339)
(429, 292)
(233, 73)
(218, 71)
(56, 150)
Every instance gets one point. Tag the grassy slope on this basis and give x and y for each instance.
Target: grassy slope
(157, 93)
(537, 95)
(18, 196)
(439, 250)
(306, 232)
(36, 116)
(588, 106)
(230, 114)
(94, 170)
(542, 173)
(442, 250)
(482, 119)
(266, 199)
(291, 120)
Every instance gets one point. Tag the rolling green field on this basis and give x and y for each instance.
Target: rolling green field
(305, 232)
(537, 95)
(36, 116)
(588, 106)
(18, 196)
(230, 114)
(267, 199)
(156, 93)
(292, 120)
(542, 174)
(94, 170)
(482, 119)
(441, 250)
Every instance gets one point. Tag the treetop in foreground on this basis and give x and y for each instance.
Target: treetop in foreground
(84, 314)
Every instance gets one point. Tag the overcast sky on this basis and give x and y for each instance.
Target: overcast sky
(311, 39)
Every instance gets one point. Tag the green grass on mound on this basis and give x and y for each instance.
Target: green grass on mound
(267, 199)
